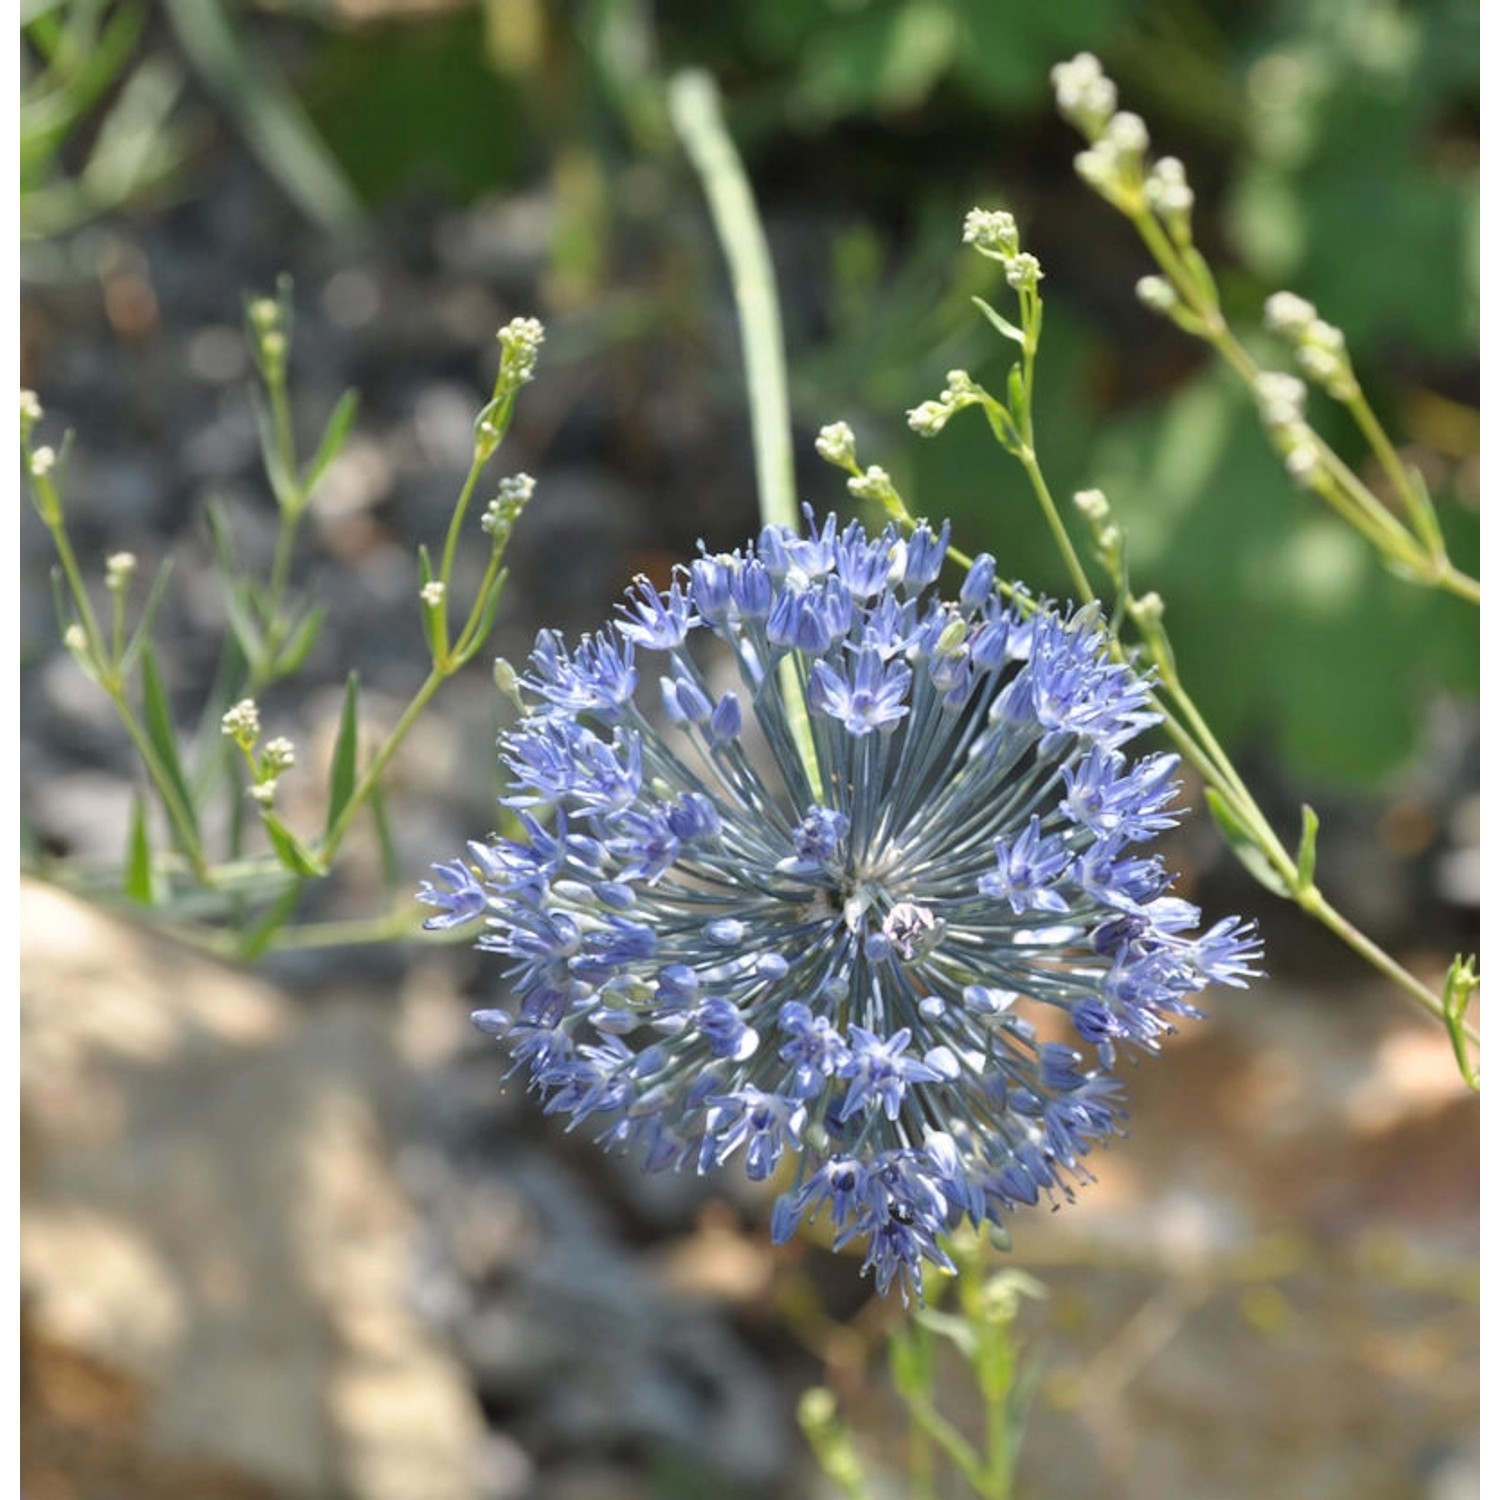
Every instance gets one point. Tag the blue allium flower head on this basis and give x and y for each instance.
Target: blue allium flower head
(902, 940)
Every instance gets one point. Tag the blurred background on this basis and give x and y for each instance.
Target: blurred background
(286, 1234)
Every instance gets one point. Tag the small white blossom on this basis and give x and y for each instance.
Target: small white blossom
(279, 755)
(31, 408)
(242, 723)
(519, 341)
(1023, 270)
(434, 593)
(118, 568)
(76, 638)
(263, 792)
(43, 461)
(993, 230)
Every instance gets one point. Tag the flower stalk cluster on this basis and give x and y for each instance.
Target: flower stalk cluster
(1157, 199)
(1282, 399)
(272, 636)
(916, 985)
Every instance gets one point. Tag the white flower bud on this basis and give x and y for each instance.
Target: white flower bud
(1092, 505)
(1157, 293)
(1288, 314)
(835, 444)
(118, 568)
(1023, 270)
(76, 638)
(1127, 133)
(43, 461)
(434, 593)
(263, 792)
(929, 419)
(1282, 398)
(1304, 463)
(1084, 95)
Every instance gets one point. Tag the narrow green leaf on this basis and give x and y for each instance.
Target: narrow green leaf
(1003, 325)
(299, 646)
(140, 878)
(1458, 989)
(257, 939)
(290, 850)
(1020, 399)
(148, 615)
(1202, 274)
(947, 1325)
(242, 625)
(163, 736)
(221, 537)
(1243, 845)
(335, 435)
(283, 481)
(486, 618)
(390, 864)
(1003, 425)
(345, 764)
(1307, 849)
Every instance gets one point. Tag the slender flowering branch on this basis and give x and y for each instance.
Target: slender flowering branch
(1249, 831)
(1156, 198)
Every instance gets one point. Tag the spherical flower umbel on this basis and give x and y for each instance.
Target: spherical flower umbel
(828, 922)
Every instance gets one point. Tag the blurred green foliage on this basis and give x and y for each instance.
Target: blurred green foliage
(1334, 146)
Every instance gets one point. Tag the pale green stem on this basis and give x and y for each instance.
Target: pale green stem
(693, 99)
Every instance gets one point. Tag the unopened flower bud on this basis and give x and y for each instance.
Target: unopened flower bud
(434, 593)
(263, 792)
(43, 461)
(1149, 608)
(31, 413)
(1167, 188)
(1085, 97)
(118, 568)
(1157, 293)
(874, 484)
(76, 638)
(1282, 398)
(929, 419)
(1092, 505)
(1304, 464)
(1127, 133)
(1288, 314)
(835, 444)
